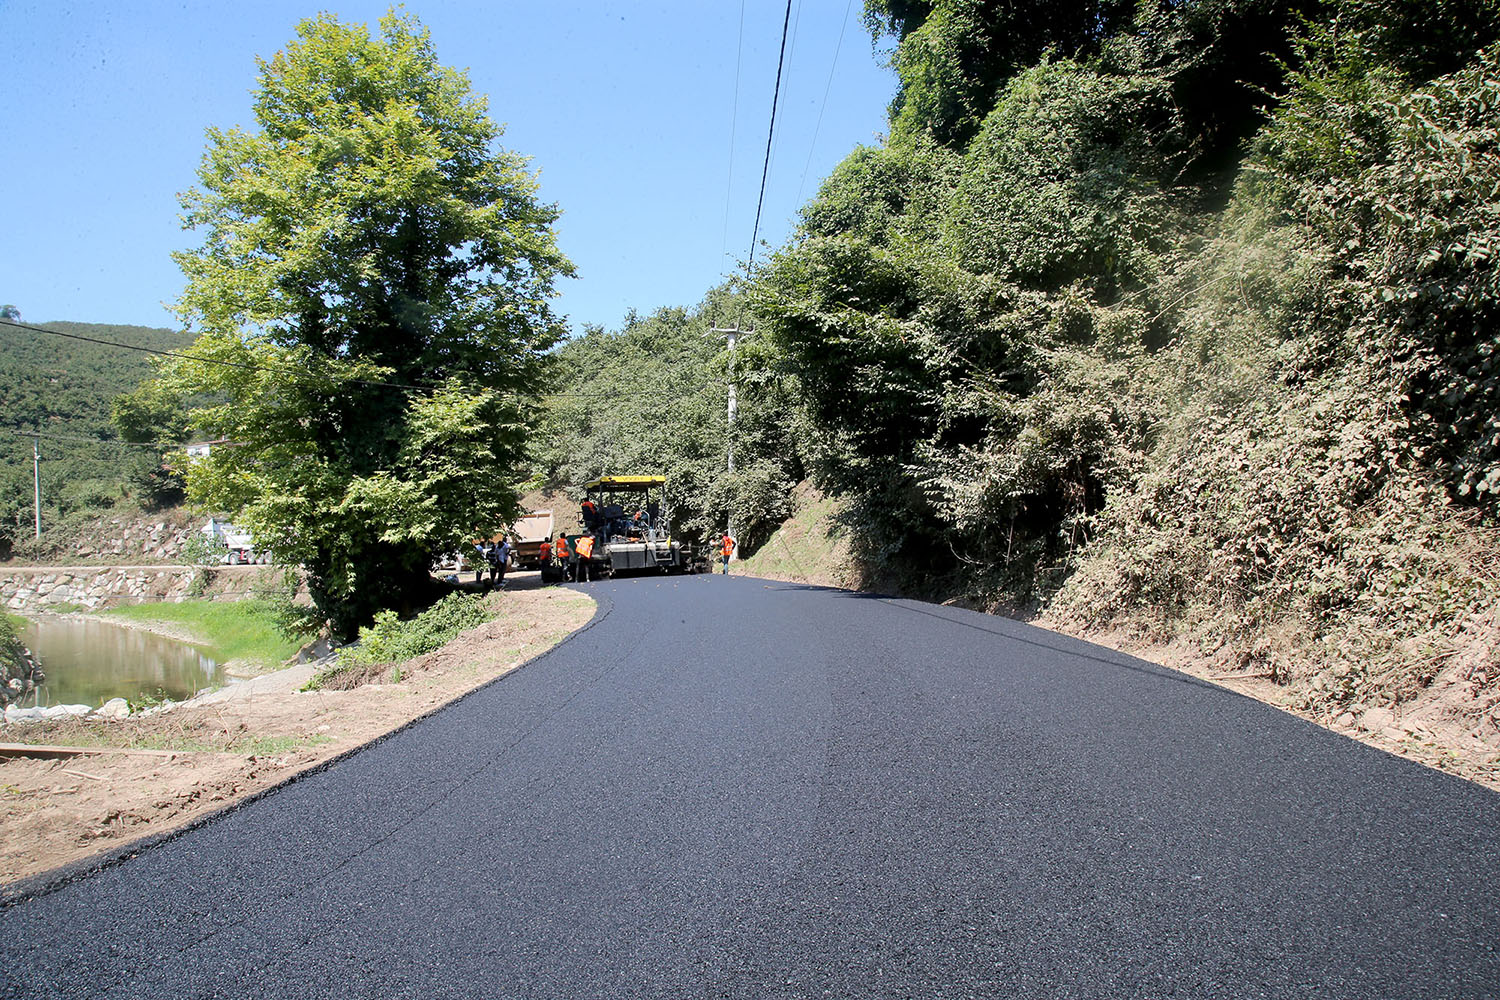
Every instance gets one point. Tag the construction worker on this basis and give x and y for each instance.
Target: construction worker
(726, 549)
(481, 558)
(560, 550)
(500, 562)
(590, 515)
(585, 549)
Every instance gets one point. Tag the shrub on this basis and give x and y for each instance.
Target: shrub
(391, 640)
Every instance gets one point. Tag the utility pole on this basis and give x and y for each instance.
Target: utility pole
(732, 335)
(36, 478)
(734, 404)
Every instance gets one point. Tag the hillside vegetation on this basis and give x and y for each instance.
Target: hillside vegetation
(1176, 318)
(65, 389)
(1102, 329)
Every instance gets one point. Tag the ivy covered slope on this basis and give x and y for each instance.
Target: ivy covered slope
(58, 386)
(1172, 316)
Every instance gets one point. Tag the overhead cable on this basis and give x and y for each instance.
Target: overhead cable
(813, 146)
(770, 135)
(281, 369)
(734, 117)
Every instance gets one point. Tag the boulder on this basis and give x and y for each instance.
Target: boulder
(115, 708)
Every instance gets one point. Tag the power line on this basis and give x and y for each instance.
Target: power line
(278, 369)
(242, 365)
(47, 436)
(791, 59)
(770, 135)
(734, 117)
(812, 148)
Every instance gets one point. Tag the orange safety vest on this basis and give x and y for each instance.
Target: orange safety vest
(562, 547)
(585, 547)
(727, 546)
(544, 551)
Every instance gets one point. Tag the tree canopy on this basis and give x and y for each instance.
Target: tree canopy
(372, 295)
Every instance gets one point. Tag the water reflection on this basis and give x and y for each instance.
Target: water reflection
(89, 662)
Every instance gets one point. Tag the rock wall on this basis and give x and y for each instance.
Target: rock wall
(44, 588)
(142, 537)
(122, 537)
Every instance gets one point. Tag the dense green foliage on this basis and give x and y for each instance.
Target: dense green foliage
(651, 399)
(390, 640)
(64, 387)
(1057, 341)
(374, 281)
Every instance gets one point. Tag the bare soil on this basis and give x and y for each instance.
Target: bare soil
(156, 773)
(1452, 725)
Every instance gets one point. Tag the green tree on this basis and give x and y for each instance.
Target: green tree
(650, 398)
(373, 288)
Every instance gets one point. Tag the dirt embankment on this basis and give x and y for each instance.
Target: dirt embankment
(153, 774)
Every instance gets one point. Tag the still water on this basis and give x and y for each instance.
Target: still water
(89, 662)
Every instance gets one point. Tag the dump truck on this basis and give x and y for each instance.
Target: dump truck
(631, 526)
(527, 536)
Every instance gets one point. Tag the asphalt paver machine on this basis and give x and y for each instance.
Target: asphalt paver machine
(631, 525)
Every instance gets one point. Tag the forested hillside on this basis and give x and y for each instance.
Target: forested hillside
(64, 389)
(650, 398)
(1176, 317)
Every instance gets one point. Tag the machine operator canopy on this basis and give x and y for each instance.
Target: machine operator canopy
(625, 482)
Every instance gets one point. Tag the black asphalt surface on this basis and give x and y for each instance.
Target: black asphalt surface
(739, 788)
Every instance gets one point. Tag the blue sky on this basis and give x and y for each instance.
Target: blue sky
(627, 109)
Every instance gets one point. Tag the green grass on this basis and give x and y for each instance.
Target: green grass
(232, 630)
(16, 621)
(807, 547)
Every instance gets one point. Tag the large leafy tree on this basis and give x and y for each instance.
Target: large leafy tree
(372, 295)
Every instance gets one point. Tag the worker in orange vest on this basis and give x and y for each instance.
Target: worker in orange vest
(585, 549)
(544, 556)
(726, 548)
(560, 549)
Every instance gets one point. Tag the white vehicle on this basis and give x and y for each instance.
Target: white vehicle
(239, 544)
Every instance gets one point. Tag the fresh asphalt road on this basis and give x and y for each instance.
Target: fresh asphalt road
(739, 788)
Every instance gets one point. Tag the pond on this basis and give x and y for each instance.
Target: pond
(88, 662)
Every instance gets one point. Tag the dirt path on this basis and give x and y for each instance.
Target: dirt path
(205, 754)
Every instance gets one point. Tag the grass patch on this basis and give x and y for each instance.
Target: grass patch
(232, 630)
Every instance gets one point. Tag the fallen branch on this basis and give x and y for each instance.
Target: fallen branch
(46, 750)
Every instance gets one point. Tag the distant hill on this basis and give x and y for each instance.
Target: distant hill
(55, 384)
(60, 386)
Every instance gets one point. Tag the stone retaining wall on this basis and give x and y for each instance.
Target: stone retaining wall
(42, 588)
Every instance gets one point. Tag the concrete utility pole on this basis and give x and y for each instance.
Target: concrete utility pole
(734, 403)
(36, 478)
(732, 335)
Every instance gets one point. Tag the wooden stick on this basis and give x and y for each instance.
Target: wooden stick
(46, 750)
(81, 774)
